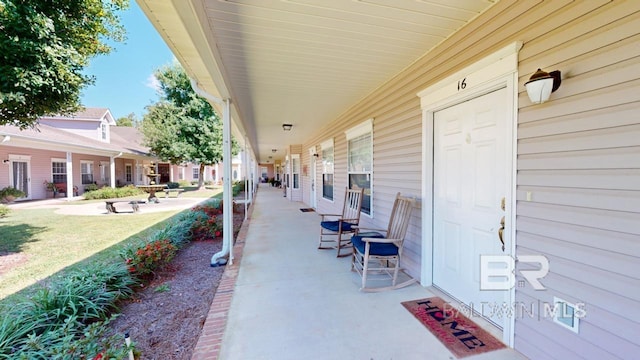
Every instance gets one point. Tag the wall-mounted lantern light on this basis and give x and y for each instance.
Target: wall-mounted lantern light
(287, 127)
(541, 84)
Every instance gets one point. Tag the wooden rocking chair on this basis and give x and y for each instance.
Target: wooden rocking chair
(332, 231)
(377, 253)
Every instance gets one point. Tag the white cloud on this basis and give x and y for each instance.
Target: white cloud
(153, 83)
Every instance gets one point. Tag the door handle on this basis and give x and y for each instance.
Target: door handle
(500, 233)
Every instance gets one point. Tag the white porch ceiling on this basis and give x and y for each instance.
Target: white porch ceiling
(302, 62)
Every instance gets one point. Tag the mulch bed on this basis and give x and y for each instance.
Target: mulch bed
(165, 317)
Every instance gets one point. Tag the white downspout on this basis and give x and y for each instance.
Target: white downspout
(227, 194)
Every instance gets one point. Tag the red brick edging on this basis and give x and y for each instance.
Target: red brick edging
(210, 340)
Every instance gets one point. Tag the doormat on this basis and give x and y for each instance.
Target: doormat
(460, 335)
(307, 209)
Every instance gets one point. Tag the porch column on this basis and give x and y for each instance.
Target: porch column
(112, 172)
(171, 172)
(69, 176)
(227, 191)
(135, 174)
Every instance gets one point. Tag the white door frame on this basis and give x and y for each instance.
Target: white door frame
(313, 199)
(498, 70)
(26, 159)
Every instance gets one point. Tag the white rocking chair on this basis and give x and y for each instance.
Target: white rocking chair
(377, 253)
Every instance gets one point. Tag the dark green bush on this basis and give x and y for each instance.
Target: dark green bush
(173, 185)
(110, 193)
(90, 187)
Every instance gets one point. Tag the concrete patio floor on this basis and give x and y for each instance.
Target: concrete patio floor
(293, 301)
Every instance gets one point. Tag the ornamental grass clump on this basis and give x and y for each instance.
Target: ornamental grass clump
(64, 319)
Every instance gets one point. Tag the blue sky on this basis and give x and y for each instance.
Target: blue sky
(124, 77)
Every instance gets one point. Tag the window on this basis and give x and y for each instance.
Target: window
(360, 161)
(327, 169)
(105, 173)
(103, 130)
(128, 173)
(180, 173)
(86, 169)
(235, 174)
(139, 172)
(59, 171)
(196, 173)
(295, 170)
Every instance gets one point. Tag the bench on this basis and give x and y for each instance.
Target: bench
(177, 191)
(111, 209)
(62, 188)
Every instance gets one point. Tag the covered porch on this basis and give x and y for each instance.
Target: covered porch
(284, 299)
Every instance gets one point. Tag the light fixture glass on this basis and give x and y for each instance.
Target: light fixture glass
(541, 85)
(287, 127)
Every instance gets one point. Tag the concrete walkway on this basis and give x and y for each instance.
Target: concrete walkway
(293, 301)
(78, 207)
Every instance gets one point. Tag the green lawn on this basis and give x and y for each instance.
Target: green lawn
(50, 242)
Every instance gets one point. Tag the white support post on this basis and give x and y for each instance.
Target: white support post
(227, 211)
(112, 172)
(69, 176)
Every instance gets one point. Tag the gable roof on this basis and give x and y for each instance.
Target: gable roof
(129, 139)
(86, 114)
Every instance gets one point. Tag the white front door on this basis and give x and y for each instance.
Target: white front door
(312, 196)
(471, 178)
(21, 176)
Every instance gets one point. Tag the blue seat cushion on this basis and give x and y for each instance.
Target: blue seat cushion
(335, 226)
(386, 249)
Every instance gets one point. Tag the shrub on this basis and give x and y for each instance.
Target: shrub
(4, 211)
(90, 187)
(173, 185)
(145, 259)
(8, 194)
(184, 183)
(110, 193)
(66, 318)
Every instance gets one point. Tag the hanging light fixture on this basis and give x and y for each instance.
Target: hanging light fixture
(541, 84)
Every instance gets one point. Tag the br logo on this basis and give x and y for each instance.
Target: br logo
(497, 272)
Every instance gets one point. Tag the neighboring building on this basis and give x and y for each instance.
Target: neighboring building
(454, 127)
(89, 146)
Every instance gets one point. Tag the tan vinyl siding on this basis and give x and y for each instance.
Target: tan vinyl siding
(578, 156)
(579, 160)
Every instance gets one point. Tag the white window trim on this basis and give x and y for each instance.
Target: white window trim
(130, 166)
(105, 172)
(293, 172)
(193, 169)
(60, 160)
(326, 145)
(361, 129)
(88, 162)
(365, 127)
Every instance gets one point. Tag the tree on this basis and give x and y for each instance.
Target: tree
(129, 120)
(44, 46)
(183, 127)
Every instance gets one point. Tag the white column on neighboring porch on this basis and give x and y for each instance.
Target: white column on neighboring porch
(112, 171)
(69, 176)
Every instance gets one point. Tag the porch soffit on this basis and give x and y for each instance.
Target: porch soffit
(302, 62)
